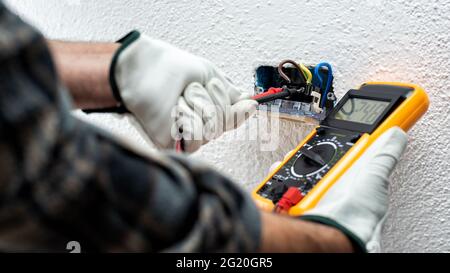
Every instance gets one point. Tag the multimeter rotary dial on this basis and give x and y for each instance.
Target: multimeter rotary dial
(310, 163)
(313, 159)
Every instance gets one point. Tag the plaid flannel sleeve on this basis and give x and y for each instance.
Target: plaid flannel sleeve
(63, 180)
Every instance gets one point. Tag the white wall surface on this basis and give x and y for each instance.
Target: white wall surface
(400, 40)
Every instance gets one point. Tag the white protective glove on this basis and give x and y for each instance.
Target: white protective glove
(155, 80)
(357, 203)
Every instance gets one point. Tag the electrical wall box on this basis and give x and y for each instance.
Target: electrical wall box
(299, 107)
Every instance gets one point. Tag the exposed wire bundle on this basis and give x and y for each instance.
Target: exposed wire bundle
(312, 81)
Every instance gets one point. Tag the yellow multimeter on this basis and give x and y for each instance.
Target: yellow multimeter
(359, 118)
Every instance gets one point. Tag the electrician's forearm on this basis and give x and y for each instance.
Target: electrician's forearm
(84, 69)
(284, 234)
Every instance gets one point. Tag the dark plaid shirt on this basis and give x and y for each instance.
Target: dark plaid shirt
(63, 180)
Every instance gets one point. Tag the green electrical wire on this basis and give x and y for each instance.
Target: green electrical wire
(307, 73)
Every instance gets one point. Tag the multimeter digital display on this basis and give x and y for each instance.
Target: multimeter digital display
(361, 110)
(357, 121)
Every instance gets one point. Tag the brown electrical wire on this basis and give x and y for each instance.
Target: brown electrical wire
(284, 76)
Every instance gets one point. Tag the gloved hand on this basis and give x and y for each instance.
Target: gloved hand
(357, 203)
(153, 78)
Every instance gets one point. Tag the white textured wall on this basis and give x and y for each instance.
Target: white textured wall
(400, 40)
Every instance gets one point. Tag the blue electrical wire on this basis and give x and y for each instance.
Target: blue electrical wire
(329, 80)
